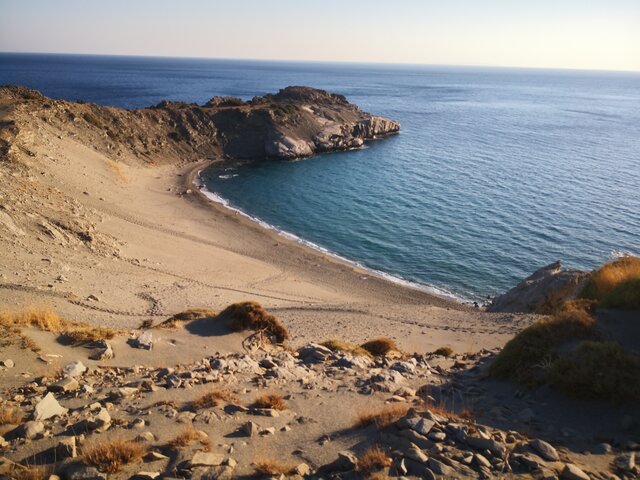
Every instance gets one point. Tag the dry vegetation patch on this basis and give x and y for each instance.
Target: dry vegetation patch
(269, 466)
(187, 436)
(31, 472)
(213, 399)
(380, 346)
(381, 417)
(270, 400)
(110, 455)
(345, 347)
(47, 320)
(10, 415)
(443, 351)
(187, 316)
(251, 316)
(373, 459)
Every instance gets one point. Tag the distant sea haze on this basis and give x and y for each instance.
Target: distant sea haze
(496, 172)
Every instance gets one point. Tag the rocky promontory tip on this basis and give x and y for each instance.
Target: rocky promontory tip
(294, 123)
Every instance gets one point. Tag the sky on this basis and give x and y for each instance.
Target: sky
(577, 34)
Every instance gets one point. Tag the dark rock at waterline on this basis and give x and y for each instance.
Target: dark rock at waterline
(541, 292)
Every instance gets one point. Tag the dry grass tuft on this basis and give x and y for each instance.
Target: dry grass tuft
(47, 320)
(346, 347)
(187, 436)
(110, 455)
(10, 416)
(251, 316)
(269, 466)
(380, 346)
(616, 284)
(42, 318)
(213, 399)
(444, 351)
(78, 334)
(373, 459)
(270, 400)
(187, 316)
(381, 417)
(31, 472)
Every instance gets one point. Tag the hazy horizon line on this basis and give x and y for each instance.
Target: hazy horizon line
(340, 62)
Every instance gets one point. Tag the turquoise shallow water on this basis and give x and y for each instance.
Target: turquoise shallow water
(495, 173)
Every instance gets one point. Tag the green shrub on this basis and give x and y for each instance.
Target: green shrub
(614, 284)
(598, 370)
(524, 357)
(625, 295)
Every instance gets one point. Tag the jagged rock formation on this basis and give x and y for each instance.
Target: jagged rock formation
(545, 289)
(294, 123)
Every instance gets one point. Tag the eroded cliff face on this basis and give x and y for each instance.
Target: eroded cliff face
(294, 123)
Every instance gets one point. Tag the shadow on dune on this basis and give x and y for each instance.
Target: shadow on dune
(209, 327)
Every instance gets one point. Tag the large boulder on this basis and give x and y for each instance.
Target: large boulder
(547, 288)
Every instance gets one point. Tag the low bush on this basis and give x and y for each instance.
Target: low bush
(598, 370)
(625, 295)
(251, 316)
(615, 284)
(380, 346)
(443, 351)
(525, 357)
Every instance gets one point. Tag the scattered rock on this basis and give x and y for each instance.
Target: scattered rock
(546, 450)
(74, 369)
(32, 429)
(65, 385)
(573, 472)
(206, 459)
(144, 340)
(104, 352)
(66, 448)
(48, 407)
(8, 363)
(251, 429)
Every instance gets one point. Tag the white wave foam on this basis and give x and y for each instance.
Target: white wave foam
(199, 183)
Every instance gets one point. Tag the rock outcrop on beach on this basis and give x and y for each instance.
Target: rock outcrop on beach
(294, 123)
(542, 291)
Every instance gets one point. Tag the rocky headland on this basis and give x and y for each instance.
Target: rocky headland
(296, 122)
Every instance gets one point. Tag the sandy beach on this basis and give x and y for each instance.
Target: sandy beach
(164, 250)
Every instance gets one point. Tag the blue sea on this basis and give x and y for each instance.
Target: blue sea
(495, 173)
